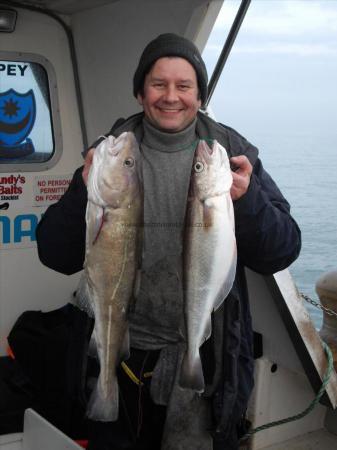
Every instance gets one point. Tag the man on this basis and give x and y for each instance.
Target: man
(170, 84)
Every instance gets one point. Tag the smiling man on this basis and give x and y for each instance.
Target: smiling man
(170, 95)
(170, 83)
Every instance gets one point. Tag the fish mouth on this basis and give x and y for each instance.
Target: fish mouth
(210, 150)
(205, 152)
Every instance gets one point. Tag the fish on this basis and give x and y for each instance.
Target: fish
(114, 218)
(210, 253)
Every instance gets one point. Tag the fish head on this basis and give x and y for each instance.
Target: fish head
(114, 175)
(211, 173)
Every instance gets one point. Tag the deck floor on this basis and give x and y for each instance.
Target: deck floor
(317, 440)
(11, 441)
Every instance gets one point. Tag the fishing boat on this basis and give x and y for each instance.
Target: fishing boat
(66, 72)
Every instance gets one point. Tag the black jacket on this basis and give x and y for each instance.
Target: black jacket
(268, 240)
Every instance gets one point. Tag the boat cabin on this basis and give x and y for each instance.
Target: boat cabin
(66, 71)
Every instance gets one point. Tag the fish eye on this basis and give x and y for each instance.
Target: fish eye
(198, 167)
(129, 162)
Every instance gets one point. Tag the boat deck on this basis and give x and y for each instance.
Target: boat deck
(38, 434)
(317, 440)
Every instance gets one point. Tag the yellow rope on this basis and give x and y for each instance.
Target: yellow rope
(132, 376)
(148, 374)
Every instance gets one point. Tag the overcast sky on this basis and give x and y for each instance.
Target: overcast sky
(279, 89)
(283, 68)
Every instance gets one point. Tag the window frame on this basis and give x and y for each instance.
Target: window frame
(54, 109)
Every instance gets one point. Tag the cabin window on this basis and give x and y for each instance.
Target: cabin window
(27, 113)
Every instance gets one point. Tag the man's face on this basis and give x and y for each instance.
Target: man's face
(170, 96)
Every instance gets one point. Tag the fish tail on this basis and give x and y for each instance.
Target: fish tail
(103, 403)
(191, 374)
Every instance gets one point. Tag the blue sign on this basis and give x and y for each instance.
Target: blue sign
(17, 117)
(18, 230)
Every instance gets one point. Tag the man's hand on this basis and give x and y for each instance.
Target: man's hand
(241, 176)
(87, 164)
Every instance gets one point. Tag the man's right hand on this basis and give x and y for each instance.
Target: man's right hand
(87, 164)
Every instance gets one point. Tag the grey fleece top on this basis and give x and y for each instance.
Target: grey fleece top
(157, 317)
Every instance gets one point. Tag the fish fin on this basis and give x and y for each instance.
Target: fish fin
(191, 373)
(136, 286)
(208, 329)
(103, 404)
(208, 215)
(124, 352)
(92, 347)
(94, 219)
(136, 289)
(82, 298)
(228, 284)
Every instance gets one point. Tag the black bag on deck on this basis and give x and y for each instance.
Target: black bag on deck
(50, 352)
(16, 394)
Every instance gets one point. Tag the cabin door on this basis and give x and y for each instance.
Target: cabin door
(40, 147)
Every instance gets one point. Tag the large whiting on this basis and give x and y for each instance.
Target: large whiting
(113, 218)
(209, 252)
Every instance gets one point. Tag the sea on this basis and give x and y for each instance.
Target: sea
(304, 166)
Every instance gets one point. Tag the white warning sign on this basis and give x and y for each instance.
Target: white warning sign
(12, 189)
(49, 189)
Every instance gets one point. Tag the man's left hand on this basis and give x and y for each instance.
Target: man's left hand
(241, 176)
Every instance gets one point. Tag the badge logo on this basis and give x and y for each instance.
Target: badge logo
(17, 118)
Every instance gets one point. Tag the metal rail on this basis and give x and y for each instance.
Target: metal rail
(240, 15)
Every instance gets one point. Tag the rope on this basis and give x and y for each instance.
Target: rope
(133, 377)
(309, 408)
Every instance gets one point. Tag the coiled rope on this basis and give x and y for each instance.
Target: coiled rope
(312, 405)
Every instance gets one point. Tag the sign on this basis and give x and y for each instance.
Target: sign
(26, 133)
(17, 228)
(17, 117)
(12, 188)
(49, 189)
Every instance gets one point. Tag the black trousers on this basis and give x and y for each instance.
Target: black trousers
(141, 422)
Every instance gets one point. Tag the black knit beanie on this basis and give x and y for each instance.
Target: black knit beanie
(170, 44)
